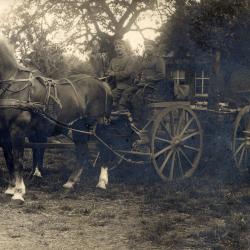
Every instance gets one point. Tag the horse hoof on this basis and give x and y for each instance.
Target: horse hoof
(10, 191)
(68, 185)
(18, 197)
(101, 185)
(37, 173)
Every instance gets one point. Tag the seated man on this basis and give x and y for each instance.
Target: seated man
(150, 72)
(121, 69)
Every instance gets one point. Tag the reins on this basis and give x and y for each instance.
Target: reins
(39, 109)
(12, 81)
(93, 133)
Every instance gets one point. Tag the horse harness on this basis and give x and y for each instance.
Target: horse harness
(38, 107)
(51, 96)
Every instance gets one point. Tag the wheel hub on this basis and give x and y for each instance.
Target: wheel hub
(176, 141)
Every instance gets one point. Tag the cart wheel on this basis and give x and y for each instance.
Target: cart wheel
(176, 144)
(241, 139)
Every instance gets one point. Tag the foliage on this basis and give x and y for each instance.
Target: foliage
(223, 26)
(73, 25)
(80, 21)
(175, 34)
(77, 66)
(210, 25)
(48, 59)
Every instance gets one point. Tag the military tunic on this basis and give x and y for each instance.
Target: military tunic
(123, 68)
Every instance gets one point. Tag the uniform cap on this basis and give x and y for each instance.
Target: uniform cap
(119, 42)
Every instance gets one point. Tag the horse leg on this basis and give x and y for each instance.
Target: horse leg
(38, 156)
(35, 170)
(82, 160)
(81, 150)
(7, 150)
(18, 139)
(103, 178)
(39, 170)
(105, 157)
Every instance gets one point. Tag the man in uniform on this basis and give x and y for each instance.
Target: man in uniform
(151, 66)
(121, 68)
(150, 72)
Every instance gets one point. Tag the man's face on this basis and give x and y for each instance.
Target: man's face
(120, 49)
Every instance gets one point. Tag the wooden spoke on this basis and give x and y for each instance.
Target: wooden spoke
(240, 139)
(163, 165)
(162, 139)
(171, 175)
(163, 151)
(180, 122)
(191, 148)
(166, 130)
(186, 126)
(175, 157)
(186, 157)
(189, 136)
(246, 154)
(180, 164)
(241, 156)
(239, 148)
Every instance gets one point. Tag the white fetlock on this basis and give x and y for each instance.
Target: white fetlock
(101, 184)
(103, 179)
(18, 196)
(69, 185)
(10, 190)
(37, 173)
(22, 187)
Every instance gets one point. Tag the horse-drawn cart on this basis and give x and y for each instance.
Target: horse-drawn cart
(174, 144)
(174, 140)
(175, 132)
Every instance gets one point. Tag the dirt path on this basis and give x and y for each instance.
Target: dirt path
(89, 220)
(200, 213)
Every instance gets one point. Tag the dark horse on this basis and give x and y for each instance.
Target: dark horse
(30, 106)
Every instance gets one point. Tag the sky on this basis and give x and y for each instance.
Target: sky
(5, 4)
(135, 38)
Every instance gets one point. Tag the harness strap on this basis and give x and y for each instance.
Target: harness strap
(78, 98)
(49, 84)
(25, 105)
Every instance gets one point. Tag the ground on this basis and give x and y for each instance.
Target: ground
(138, 211)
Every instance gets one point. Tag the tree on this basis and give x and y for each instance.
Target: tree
(78, 22)
(221, 25)
(36, 27)
(210, 25)
(216, 27)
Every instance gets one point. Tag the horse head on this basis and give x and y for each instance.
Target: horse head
(8, 62)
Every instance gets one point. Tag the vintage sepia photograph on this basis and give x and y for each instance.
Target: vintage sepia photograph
(124, 124)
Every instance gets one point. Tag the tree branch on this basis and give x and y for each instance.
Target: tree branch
(109, 13)
(130, 22)
(130, 9)
(142, 29)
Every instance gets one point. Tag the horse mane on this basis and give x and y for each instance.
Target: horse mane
(8, 60)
